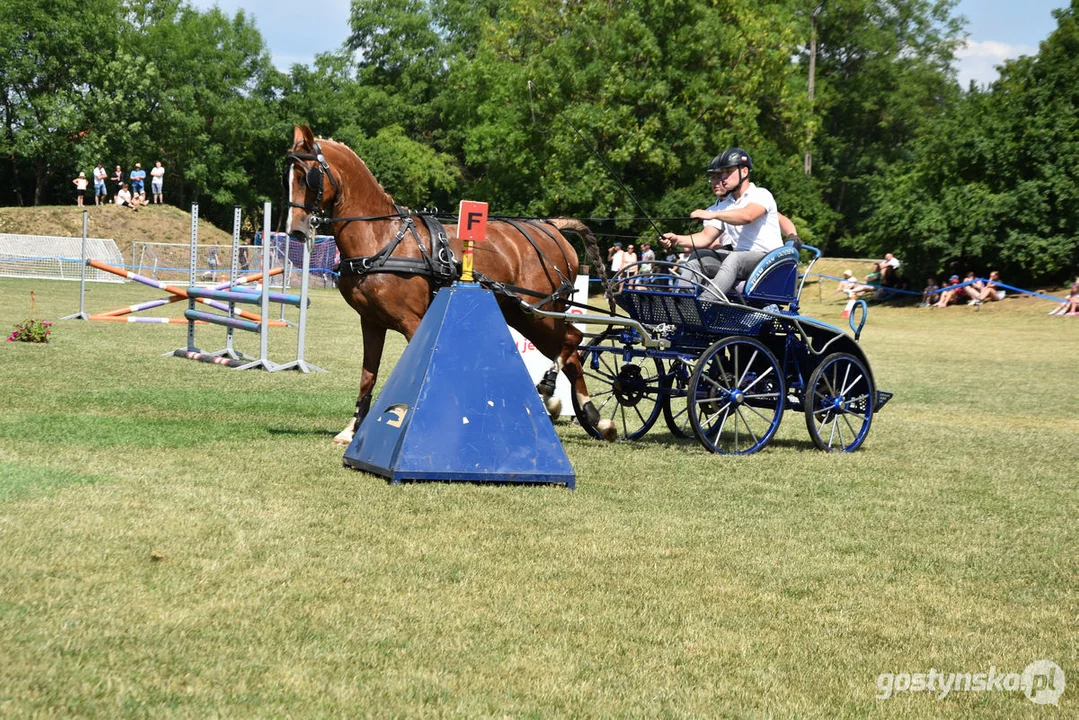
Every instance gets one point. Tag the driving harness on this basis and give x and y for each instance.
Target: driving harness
(437, 262)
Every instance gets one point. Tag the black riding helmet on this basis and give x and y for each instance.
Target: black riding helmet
(731, 157)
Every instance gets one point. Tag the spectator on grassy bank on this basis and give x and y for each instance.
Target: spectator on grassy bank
(138, 179)
(157, 182)
(889, 269)
(848, 283)
(949, 293)
(80, 187)
(1070, 306)
(124, 198)
(988, 290)
(100, 194)
(930, 292)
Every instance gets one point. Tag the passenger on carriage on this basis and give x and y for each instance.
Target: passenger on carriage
(740, 228)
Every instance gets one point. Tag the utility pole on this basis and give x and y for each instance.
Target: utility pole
(812, 80)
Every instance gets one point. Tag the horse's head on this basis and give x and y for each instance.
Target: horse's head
(309, 182)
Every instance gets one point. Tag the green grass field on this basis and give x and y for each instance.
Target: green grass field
(180, 539)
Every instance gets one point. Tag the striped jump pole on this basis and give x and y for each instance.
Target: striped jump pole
(213, 319)
(139, 307)
(203, 357)
(241, 296)
(178, 292)
(138, 319)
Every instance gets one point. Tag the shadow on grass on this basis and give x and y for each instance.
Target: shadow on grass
(299, 432)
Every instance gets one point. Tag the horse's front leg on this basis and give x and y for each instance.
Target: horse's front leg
(374, 340)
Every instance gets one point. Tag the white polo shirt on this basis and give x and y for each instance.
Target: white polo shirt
(761, 235)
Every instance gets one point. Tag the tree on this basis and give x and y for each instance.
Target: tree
(995, 183)
(884, 73)
(53, 54)
(651, 89)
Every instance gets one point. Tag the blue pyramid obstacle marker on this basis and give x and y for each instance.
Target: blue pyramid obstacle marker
(460, 404)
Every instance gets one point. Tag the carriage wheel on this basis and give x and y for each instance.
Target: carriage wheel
(675, 407)
(840, 400)
(736, 396)
(627, 393)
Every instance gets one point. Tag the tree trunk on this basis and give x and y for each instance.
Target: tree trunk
(41, 177)
(15, 182)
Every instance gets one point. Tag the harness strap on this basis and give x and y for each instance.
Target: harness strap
(439, 263)
(515, 292)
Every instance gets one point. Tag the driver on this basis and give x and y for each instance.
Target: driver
(743, 224)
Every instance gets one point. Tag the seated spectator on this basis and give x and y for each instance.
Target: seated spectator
(949, 293)
(848, 283)
(889, 268)
(125, 199)
(970, 280)
(980, 291)
(1070, 306)
(872, 283)
(930, 292)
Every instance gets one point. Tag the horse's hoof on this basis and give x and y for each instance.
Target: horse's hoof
(343, 438)
(607, 429)
(554, 407)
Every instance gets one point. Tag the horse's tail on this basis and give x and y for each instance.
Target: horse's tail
(591, 251)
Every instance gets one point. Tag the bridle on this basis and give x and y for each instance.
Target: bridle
(314, 181)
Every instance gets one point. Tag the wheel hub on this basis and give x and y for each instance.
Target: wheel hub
(629, 387)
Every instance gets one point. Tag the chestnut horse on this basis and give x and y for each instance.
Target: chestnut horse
(391, 265)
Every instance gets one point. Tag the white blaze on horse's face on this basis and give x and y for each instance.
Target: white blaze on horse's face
(299, 220)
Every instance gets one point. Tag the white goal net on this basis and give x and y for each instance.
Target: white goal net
(56, 258)
(171, 262)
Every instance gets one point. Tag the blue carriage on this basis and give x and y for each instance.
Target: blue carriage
(725, 369)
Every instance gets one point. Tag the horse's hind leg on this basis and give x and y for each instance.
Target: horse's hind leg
(546, 389)
(571, 366)
(374, 340)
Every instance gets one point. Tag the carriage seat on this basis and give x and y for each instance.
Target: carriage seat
(775, 279)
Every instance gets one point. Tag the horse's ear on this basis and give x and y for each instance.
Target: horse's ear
(302, 136)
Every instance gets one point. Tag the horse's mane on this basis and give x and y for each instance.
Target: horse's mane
(361, 166)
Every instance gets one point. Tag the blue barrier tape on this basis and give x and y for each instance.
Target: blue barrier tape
(877, 287)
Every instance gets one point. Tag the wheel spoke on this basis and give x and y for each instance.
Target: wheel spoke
(847, 387)
(759, 414)
(846, 420)
(760, 377)
(742, 378)
(711, 381)
(709, 416)
(748, 427)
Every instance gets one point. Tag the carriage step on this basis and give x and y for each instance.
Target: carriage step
(883, 396)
